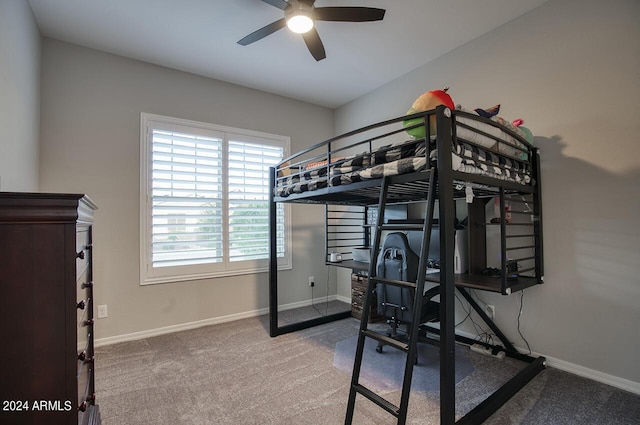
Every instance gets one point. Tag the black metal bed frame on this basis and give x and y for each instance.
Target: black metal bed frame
(408, 188)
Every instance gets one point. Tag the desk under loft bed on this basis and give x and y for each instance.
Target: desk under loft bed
(461, 156)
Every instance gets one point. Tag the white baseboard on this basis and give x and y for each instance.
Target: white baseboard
(200, 323)
(99, 342)
(585, 372)
(343, 299)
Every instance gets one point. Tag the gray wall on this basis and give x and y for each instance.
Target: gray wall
(19, 97)
(571, 69)
(91, 105)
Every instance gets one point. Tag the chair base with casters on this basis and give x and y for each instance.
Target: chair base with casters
(396, 313)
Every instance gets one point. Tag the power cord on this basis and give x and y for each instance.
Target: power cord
(463, 309)
(326, 304)
(483, 335)
(520, 314)
(518, 320)
(476, 296)
(529, 209)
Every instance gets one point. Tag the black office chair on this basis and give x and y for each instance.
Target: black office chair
(397, 261)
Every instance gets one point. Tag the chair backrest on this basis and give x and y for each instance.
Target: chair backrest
(396, 261)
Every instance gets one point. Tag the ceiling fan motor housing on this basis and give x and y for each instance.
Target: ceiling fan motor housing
(297, 8)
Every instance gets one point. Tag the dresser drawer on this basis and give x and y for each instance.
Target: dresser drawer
(84, 326)
(85, 376)
(83, 254)
(83, 285)
(82, 309)
(82, 237)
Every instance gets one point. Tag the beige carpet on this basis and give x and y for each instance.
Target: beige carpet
(235, 374)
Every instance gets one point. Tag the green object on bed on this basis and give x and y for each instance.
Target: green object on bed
(426, 102)
(417, 132)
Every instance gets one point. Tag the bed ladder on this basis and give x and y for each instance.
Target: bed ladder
(400, 412)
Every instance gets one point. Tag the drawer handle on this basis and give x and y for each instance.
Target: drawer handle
(86, 285)
(80, 255)
(82, 305)
(91, 399)
(88, 322)
(83, 357)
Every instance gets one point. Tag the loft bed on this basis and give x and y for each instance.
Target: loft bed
(477, 160)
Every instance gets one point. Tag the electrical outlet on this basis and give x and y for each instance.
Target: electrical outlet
(312, 281)
(491, 311)
(102, 311)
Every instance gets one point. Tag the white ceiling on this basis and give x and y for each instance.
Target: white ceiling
(200, 36)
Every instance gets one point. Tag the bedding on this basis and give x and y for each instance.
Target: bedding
(400, 166)
(472, 159)
(472, 131)
(315, 174)
(388, 160)
(465, 158)
(472, 152)
(302, 182)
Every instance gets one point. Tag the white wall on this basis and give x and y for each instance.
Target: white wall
(571, 69)
(91, 105)
(19, 97)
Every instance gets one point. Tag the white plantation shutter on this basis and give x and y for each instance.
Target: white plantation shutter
(205, 200)
(248, 165)
(186, 199)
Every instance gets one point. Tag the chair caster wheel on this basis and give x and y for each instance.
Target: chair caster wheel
(379, 349)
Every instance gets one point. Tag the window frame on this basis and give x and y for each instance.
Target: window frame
(150, 275)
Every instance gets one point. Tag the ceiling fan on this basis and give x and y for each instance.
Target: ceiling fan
(300, 15)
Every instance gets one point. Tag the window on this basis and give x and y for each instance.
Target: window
(205, 200)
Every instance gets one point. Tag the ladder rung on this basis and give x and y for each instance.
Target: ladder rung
(385, 404)
(513, 248)
(387, 340)
(401, 283)
(402, 226)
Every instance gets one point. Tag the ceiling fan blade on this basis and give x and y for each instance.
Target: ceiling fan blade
(313, 42)
(348, 14)
(263, 32)
(280, 4)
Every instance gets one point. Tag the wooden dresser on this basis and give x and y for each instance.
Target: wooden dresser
(46, 310)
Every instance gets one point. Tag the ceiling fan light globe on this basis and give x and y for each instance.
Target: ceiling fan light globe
(300, 23)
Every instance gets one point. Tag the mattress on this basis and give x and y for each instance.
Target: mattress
(388, 160)
(473, 152)
(487, 135)
(472, 159)
(304, 181)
